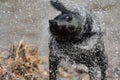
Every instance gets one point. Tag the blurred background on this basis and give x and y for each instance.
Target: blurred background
(29, 19)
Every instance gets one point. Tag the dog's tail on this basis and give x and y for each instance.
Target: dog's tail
(59, 6)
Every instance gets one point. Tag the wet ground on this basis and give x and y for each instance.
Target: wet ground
(29, 19)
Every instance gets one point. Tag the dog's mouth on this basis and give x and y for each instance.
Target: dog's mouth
(62, 30)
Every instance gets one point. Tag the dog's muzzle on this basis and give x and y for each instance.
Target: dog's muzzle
(54, 26)
(52, 23)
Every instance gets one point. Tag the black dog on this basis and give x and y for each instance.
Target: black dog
(75, 36)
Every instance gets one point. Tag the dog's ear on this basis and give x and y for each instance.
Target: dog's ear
(59, 6)
(88, 24)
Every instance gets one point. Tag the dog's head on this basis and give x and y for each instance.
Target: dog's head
(68, 23)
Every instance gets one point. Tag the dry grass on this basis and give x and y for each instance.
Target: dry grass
(20, 63)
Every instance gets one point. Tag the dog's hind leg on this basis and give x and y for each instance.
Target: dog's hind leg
(103, 66)
(103, 73)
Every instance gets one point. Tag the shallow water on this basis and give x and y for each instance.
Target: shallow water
(29, 19)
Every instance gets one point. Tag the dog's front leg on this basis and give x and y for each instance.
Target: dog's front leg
(92, 73)
(53, 63)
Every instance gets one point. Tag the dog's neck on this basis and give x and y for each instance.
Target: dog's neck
(62, 39)
(87, 42)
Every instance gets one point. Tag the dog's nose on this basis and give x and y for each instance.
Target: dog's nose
(71, 28)
(52, 22)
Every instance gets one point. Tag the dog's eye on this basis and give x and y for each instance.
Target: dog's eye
(68, 18)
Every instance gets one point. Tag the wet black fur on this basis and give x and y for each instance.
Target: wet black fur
(70, 39)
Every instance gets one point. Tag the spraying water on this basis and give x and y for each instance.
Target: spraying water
(29, 18)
